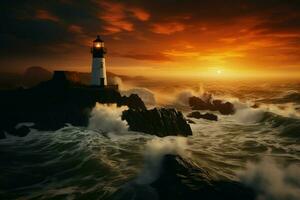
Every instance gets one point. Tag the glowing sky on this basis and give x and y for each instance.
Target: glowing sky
(181, 38)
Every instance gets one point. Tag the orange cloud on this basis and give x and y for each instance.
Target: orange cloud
(145, 56)
(45, 15)
(167, 28)
(116, 17)
(177, 53)
(244, 34)
(75, 28)
(113, 14)
(140, 14)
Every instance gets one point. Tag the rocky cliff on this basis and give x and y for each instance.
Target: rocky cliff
(52, 104)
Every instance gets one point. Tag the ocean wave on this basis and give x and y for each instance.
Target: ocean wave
(183, 179)
(292, 97)
(289, 127)
(284, 121)
(71, 162)
(287, 97)
(107, 118)
(272, 181)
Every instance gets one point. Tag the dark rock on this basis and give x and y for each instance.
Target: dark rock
(184, 179)
(34, 75)
(2, 135)
(181, 179)
(207, 116)
(133, 102)
(52, 104)
(197, 103)
(190, 121)
(161, 122)
(226, 108)
(255, 105)
(20, 131)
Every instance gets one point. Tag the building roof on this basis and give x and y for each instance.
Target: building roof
(98, 39)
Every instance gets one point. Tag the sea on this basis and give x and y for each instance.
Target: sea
(252, 154)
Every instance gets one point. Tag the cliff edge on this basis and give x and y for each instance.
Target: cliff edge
(52, 104)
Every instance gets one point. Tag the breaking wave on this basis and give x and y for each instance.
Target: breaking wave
(287, 126)
(272, 181)
(108, 118)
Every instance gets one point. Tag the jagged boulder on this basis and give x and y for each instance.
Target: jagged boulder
(161, 122)
(226, 108)
(198, 115)
(133, 102)
(197, 103)
(184, 179)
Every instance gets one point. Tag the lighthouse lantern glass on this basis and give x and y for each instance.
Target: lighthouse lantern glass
(98, 44)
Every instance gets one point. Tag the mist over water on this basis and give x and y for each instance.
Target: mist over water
(258, 147)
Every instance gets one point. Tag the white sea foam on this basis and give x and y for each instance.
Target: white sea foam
(107, 118)
(245, 114)
(272, 181)
(145, 94)
(155, 150)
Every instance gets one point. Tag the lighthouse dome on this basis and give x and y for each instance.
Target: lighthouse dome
(98, 39)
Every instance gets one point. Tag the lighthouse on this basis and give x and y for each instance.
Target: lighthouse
(98, 63)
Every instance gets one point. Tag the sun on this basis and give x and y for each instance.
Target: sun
(219, 71)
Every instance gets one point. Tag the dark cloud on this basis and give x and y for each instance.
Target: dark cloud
(34, 27)
(284, 25)
(142, 56)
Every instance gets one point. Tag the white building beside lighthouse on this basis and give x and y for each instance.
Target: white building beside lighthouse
(98, 63)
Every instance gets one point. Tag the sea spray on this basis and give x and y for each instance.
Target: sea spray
(107, 118)
(248, 115)
(177, 97)
(180, 97)
(145, 94)
(245, 113)
(286, 110)
(155, 150)
(127, 89)
(272, 181)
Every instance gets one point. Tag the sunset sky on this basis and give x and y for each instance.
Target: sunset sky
(176, 38)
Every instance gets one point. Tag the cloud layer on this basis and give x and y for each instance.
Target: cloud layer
(232, 33)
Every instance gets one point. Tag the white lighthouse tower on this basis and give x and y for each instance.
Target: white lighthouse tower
(98, 63)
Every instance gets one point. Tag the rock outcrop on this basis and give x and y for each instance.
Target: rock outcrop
(133, 102)
(161, 122)
(198, 115)
(34, 75)
(52, 104)
(197, 103)
(191, 182)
